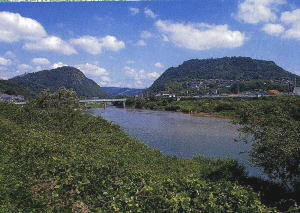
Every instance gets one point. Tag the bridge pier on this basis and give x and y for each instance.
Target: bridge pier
(124, 105)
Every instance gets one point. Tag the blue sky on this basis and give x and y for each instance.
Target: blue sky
(131, 43)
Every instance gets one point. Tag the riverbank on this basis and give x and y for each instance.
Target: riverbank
(227, 108)
(58, 159)
(93, 106)
(55, 158)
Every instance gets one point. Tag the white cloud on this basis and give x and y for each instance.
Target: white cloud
(4, 61)
(58, 64)
(141, 43)
(146, 34)
(200, 36)
(24, 67)
(291, 19)
(51, 43)
(10, 54)
(40, 61)
(150, 13)
(158, 65)
(140, 77)
(94, 45)
(153, 75)
(273, 29)
(255, 11)
(99, 74)
(134, 11)
(14, 27)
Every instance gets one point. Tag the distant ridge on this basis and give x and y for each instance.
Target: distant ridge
(69, 77)
(122, 91)
(228, 68)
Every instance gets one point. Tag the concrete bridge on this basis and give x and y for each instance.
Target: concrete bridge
(97, 101)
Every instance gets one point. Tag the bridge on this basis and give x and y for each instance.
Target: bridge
(96, 101)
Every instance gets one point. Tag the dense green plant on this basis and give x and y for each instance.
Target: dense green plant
(60, 159)
(275, 131)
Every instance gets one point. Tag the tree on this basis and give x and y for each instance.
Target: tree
(275, 134)
(62, 98)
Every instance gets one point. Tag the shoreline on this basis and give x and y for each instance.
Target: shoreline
(196, 114)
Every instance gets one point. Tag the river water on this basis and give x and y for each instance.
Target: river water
(181, 134)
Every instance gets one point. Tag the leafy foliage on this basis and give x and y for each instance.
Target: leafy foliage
(275, 129)
(60, 159)
(68, 77)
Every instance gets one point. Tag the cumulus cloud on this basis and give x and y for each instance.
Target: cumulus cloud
(146, 34)
(255, 11)
(24, 67)
(141, 77)
(51, 43)
(99, 74)
(134, 11)
(14, 27)
(141, 43)
(10, 54)
(40, 61)
(158, 65)
(200, 36)
(58, 64)
(273, 29)
(292, 20)
(150, 13)
(153, 75)
(94, 45)
(4, 61)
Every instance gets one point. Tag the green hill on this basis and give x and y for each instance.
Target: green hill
(228, 68)
(69, 77)
(11, 88)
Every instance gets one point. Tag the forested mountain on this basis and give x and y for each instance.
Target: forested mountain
(11, 88)
(69, 77)
(122, 91)
(227, 68)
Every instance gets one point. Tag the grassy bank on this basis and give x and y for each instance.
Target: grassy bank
(207, 107)
(54, 157)
(61, 159)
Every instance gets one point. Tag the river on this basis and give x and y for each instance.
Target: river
(181, 134)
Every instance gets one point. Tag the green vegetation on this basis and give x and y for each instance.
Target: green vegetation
(10, 88)
(54, 157)
(68, 77)
(213, 106)
(175, 79)
(275, 129)
(89, 106)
